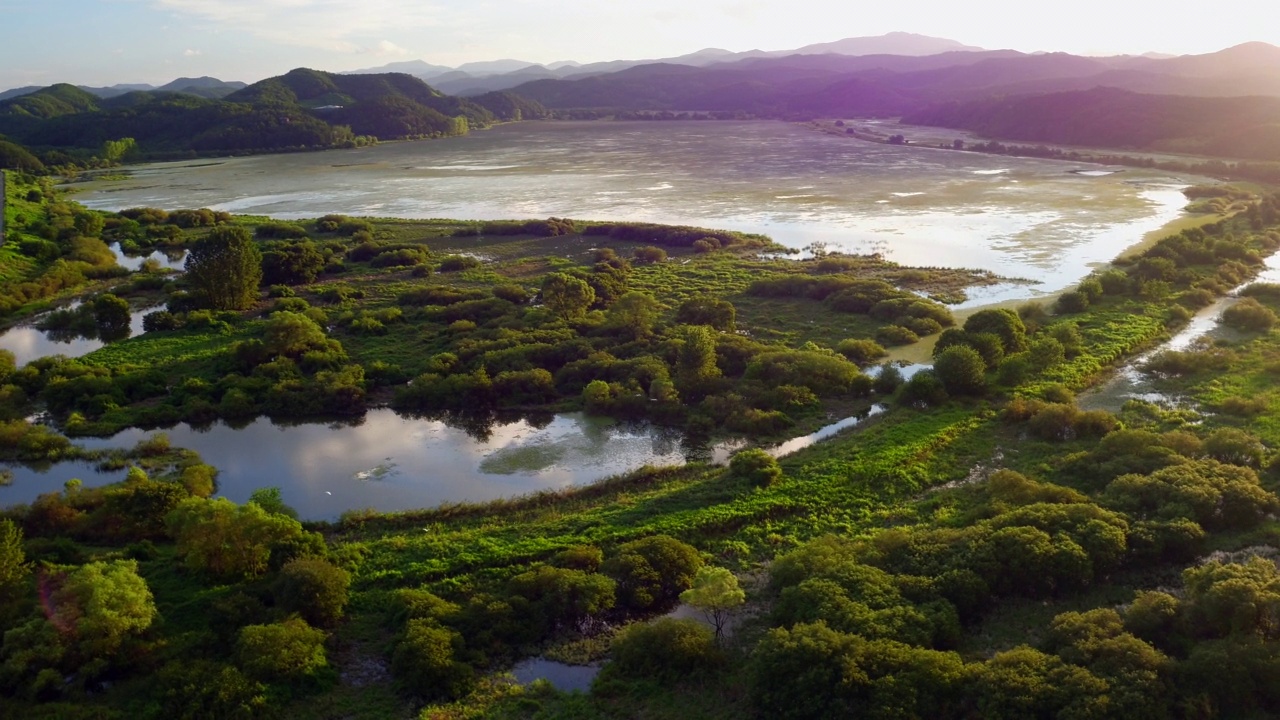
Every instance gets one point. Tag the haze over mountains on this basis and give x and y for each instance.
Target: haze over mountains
(1225, 104)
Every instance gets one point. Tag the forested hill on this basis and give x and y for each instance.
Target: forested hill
(1243, 127)
(302, 109)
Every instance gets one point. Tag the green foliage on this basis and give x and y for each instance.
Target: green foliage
(716, 593)
(225, 268)
(425, 661)
(13, 559)
(961, 371)
(563, 598)
(861, 351)
(314, 588)
(271, 500)
(666, 650)
(567, 296)
(286, 651)
(202, 689)
(756, 467)
(811, 671)
(652, 572)
(225, 540)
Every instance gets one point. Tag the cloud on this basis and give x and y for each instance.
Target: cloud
(190, 53)
(388, 48)
(335, 25)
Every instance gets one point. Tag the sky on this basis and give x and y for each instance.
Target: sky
(105, 42)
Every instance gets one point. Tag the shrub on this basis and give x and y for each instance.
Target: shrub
(458, 263)
(313, 588)
(1071, 302)
(649, 255)
(961, 371)
(891, 335)
(289, 650)
(1249, 315)
(425, 661)
(667, 650)
(756, 466)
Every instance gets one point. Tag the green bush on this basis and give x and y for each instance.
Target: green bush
(313, 588)
(756, 466)
(652, 572)
(667, 650)
(285, 651)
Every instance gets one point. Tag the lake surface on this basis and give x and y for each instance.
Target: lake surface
(1019, 217)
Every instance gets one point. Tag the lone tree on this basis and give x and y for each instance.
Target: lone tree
(225, 269)
(716, 593)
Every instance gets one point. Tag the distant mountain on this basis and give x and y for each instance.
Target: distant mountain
(301, 109)
(494, 67)
(417, 68)
(18, 92)
(206, 87)
(793, 86)
(510, 71)
(894, 43)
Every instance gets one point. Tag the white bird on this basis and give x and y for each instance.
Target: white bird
(326, 492)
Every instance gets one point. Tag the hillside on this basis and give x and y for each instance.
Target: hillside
(1247, 127)
(302, 109)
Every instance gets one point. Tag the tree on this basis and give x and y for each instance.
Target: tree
(225, 268)
(633, 313)
(315, 588)
(651, 573)
(270, 499)
(719, 314)
(227, 540)
(563, 597)
(113, 151)
(650, 254)
(1002, 322)
(961, 370)
(695, 358)
(567, 296)
(716, 593)
(289, 650)
(101, 604)
(111, 314)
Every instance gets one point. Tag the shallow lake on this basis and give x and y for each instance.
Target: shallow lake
(1019, 217)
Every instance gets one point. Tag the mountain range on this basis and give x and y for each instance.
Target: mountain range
(480, 77)
(206, 87)
(1225, 103)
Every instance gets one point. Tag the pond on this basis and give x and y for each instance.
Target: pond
(389, 462)
(28, 342)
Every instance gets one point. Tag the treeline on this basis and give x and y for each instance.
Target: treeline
(304, 109)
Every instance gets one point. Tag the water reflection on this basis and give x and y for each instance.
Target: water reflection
(167, 258)
(28, 342)
(389, 462)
